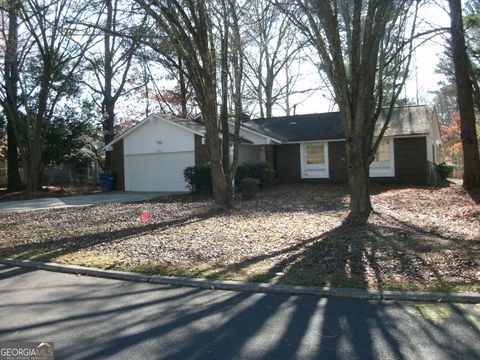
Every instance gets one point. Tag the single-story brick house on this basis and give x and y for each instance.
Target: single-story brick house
(152, 155)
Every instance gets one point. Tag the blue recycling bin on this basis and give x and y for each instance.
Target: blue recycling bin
(107, 181)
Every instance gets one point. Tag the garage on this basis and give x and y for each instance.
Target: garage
(153, 154)
(157, 172)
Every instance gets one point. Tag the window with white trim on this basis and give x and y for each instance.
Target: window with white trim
(383, 151)
(314, 160)
(314, 154)
(383, 162)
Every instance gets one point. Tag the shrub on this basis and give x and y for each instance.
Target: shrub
(249, 187)
(268, 177)
(263, 171)
(444, 171)
(198, 178)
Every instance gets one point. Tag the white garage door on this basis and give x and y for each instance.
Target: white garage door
(157, 172)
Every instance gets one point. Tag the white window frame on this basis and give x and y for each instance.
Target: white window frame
(314, 171)
(384, 168)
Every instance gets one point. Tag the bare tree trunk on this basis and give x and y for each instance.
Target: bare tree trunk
(358, 181)
(224, 70)
(111, 89)
(108, 106)
(35, 165)
(363, 45)
(34, 181)
(146, 80)
(196, 44)
(183, 88)
(287, 91)
(471, 157)
(476, 88)
(59, 56)
(219, 185)
(109, 130)
(269, 93)
(274, 47)
(238, 70)
(259, 89)
(14, 181)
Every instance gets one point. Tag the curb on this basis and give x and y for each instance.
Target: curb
(351, 293)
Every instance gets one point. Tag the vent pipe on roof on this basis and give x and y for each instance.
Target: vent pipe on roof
(244, 117)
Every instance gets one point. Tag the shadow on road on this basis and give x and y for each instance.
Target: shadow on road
(98, 318)
(8, 271)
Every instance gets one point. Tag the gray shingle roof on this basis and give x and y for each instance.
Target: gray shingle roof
(192, 124)
(410, 120)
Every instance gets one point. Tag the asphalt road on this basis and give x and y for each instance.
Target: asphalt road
(95, 318)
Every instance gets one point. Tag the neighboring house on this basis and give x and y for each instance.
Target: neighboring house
(152, 155)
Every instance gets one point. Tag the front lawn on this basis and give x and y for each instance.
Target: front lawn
(418, 238)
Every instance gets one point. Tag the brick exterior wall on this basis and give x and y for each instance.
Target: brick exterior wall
(337, 163)
(288, 162)
(410, 156)
(270, 154)
(201, 151)
(118, 165)
(411, 160)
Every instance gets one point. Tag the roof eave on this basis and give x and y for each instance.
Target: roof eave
(109, 146)
(269, 138)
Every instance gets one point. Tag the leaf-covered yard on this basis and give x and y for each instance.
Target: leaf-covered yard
(418, 238)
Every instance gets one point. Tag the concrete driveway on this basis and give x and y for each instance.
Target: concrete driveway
(79, 200)
(94, 318)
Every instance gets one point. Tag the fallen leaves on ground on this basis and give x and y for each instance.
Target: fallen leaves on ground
(417, 238)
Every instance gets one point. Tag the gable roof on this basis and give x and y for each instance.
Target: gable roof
(187, 124)
(194, 125)
(410, 120)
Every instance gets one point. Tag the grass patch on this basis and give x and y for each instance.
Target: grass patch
(199, 270)
(89, 259)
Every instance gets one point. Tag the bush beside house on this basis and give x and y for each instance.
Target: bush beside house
(199, 178)
(444, 171)
(261, 170)
(249, 187)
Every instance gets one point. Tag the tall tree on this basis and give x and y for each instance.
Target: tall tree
(472, 37)
(9, 98)
(111, 67)
(471, 157)
(176, 100)
(197, 31)
(57, 47)
(362, 45)
(445, 99)
(271, 51)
